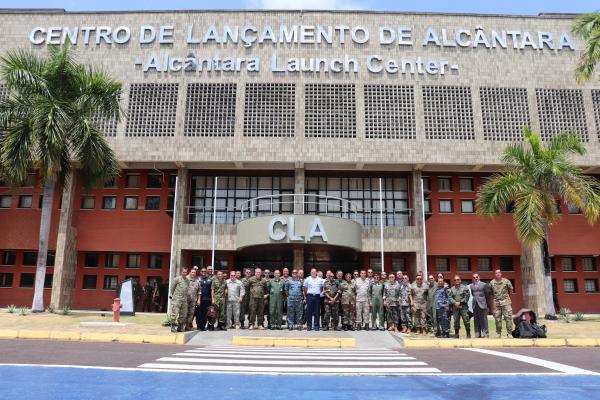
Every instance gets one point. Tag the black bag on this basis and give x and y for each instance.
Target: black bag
(526, 330)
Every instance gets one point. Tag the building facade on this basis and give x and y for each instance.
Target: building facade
(307, 119)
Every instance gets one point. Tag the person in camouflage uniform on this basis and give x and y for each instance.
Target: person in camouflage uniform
(295, 301)
(179, 301)
(332, 300)
(245, 304)
(257, 287)
(431, 313)
(391, 298)
(502, 288)
(376, 301)
(419, 293)
(459, 298)
(267, 277)
(361, 291)
(406, 302)
(346, 289)
(193, 298)
(219, 296)
(275, 288)
(235, 295)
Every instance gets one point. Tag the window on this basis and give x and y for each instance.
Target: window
(111, 260)
(172, 181)
(558, 206)
(10, 257)
(6, 279)
(112, 184)
(152, 203)
(91, 260)
(567, 264)
(110, 282)
(25, 201)
(375, 263)
(50, 258)
(510, 208)
(467, 206)
(27, 280)
(30, 258)
(427, 206)
(155, 261)
(572, 209)
(48, 281)
(426, 184)
(5, 201)
(506, 264)
(398, 264)
(589, 264)
(154, 181)
(463, 264)
(465, 184)
(88, 202)
(41, 202)
(591, 285)
(221, 263)
(446, 206)
(109, 202)
(134, 260)
(89, 282)
(570, 285)
(131, 203)
(171, 203)
(442, 264)
(444, 184)
(132, 181)
(484, 264)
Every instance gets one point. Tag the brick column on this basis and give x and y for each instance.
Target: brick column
(65, 265)
(418, 221)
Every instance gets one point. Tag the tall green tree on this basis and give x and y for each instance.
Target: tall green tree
(536, 175)
(47, 119)
(587, 26)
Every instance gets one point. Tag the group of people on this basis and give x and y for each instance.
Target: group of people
(362, 300)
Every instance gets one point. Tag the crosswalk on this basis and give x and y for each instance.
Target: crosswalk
(279, 360)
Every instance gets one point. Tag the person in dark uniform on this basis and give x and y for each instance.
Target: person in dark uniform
(148, 290)
(205, 301)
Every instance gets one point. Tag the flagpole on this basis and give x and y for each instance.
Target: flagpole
(214, 224)
(381, 223)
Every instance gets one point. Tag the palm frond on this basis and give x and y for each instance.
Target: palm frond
(530, 205)
(23, 71)
(587, 26)
(16, 152)
(496, 194)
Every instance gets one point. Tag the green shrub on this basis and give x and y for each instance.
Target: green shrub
(66, 310)
(23, 311)
(12, 309)
(50, 309)
(579, 316)
(565, 315)
(167, 321)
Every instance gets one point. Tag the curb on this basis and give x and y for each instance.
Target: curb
(180, 338)
(293, 342)
(456, 343)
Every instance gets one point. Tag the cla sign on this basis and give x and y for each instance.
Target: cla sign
(277, 231)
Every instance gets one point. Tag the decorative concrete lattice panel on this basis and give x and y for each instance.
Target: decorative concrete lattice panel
(448, 112)
(596, 103)
(210, 109)
(152, 109)
(561, 110)
(505, 112)
(389, 112)
(270, 109)
(330, 110)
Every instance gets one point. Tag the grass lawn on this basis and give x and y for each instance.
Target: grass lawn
(146, 323)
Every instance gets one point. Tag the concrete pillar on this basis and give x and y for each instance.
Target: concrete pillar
(299, 256)
(420, 261)
(179, 218)
(65, 263)
(299, 180)
(532, 279)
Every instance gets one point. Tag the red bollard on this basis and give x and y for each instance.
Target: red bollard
(116, 307)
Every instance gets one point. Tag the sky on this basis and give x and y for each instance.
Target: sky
(521, 7)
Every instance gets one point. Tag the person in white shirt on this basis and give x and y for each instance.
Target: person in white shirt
(313, 286)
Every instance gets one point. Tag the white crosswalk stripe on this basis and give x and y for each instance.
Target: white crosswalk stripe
(271, 360)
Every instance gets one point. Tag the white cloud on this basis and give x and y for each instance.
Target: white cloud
(306, 4)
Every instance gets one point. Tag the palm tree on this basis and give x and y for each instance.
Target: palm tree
(587, 26)
(536, 175)
(47, 119)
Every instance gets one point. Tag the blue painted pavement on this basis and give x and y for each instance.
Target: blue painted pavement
(40, 383)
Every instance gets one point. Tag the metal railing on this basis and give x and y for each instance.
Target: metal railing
(292, 203)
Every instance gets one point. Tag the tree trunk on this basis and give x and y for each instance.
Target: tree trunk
(45, 222)
(550, 310)
(532, 278)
